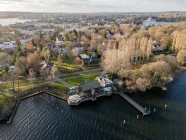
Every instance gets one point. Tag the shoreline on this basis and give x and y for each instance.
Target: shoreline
(54, 93)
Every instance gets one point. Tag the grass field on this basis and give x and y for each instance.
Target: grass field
(61, 87)
(22, 83)
(83, 79)
(80, 74)
(68, 67)
(2, 73)
(4, 98)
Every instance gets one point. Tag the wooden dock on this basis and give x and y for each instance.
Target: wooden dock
(135, 104)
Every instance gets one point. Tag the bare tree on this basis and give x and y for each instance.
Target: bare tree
(31, 77)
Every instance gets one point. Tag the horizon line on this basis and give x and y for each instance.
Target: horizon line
(90, 12)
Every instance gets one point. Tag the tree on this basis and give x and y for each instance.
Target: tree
(48, 38)
(31, 77)
(159, 73)
(86, 41)
(116, 61)
(169, 59)
(30, 45)
(46, 54)
(142, 84)
(68, 44)
(52, 73)
(34, 61)
(18, 43)
(103, 33)
(179, 41)
(166, 41)
(19, 69)
(41, 36)
(66, 37)
(63, 58)
(5, 59)
(181, 57)
(36, 41)
(79, 34)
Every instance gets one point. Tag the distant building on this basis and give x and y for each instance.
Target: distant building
(47, 43)
(151, 19)
(59, 41)
(46, 31)
(25, 41)
(26, 32)
(7, 45)
(85, 59)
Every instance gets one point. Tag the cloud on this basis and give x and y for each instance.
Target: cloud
(93, 5)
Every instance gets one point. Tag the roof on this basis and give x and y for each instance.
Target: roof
(83, 56)
(90, 85)
(86, 60)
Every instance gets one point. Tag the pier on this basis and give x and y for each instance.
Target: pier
(144, 111)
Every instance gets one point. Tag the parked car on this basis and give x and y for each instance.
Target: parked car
(73, 89)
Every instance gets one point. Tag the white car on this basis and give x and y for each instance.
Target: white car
(73, 88)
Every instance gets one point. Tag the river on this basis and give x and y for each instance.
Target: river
(9, 21)
(52, 119)
(157, 23)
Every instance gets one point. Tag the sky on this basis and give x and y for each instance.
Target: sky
(89, 6)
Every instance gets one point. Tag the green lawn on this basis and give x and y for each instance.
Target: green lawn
(22, 83)
(81, 74)
(83, 79)
(2, 73)
(4, 98)
(61, 87)
(68, 67)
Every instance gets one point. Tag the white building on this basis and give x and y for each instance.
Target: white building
(58, 42)
(25, 41)
(46, 31)
(7, 45)
(77, 29)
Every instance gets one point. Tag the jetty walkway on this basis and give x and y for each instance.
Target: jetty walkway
(143, 110)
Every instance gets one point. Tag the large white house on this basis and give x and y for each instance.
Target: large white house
(7, 45)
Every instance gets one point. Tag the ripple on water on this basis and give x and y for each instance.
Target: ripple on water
(48, 118)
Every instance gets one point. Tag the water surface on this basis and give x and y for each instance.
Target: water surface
(157, 23)
(52, 119)
(9, 21)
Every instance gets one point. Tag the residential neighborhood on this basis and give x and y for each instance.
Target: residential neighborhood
(92, 76)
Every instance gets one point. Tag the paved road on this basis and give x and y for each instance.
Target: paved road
(58, 74)
(64, 82)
